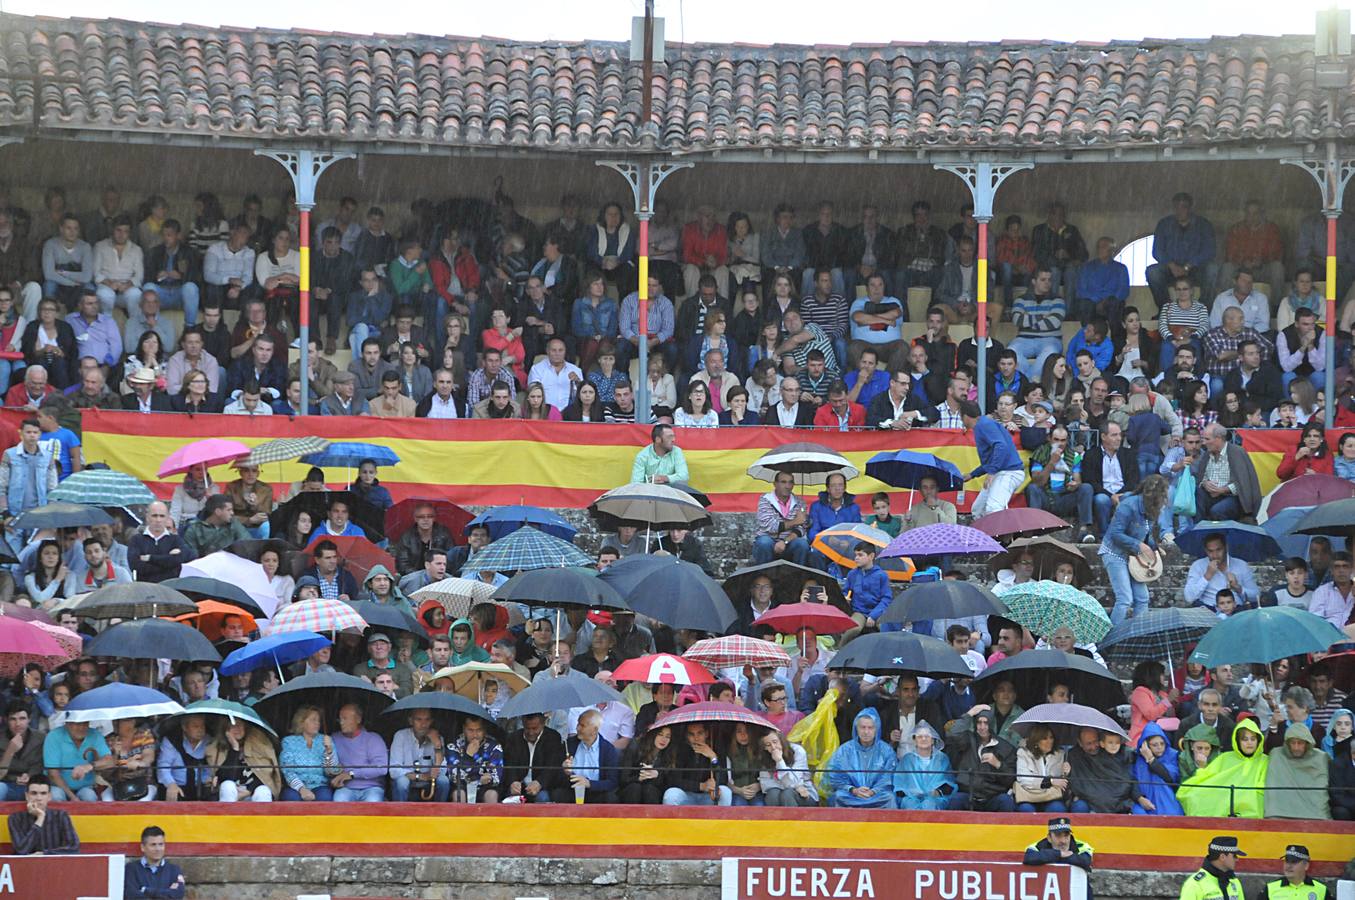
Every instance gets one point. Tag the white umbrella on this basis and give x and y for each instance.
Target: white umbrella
(249, 576)
(457, 595)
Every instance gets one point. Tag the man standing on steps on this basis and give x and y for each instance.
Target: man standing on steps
(999, 462)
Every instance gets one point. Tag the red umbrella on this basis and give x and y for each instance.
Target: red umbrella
(208, 452)
(736, 650)
(793, 618)
(1342, 669)
(663, 668)
(1310, 489)
(357, 553)
(711, 711)
(400, 517)
(1019, 522)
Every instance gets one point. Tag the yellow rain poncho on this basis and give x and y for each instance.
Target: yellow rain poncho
(1206, 793)
(817, 734)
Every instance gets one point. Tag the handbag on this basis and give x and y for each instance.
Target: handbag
(131, 789)
(1183, 496)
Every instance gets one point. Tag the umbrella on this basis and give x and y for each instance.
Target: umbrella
(7, 556)
(1047, 552)
(120, 701)
(698, 496)
(663, 668)
(254, 548)
(1341, 667)
(102, 487)
(560, 587)
(907, 468)
(24, 642)
(400, 517)
(787, 578)
(656, 506)
(838, 543)
(1020, 522)
(457, 595)
(569, 691)
(327, 690)
(711, 711)
(1157, 633)
(1043, 606)
(350, 455)
(525, 548)
(1336, 518)
(316, 615)
(248, 576)
(504, 520)
(383, 617)
(153, 639)
(793, 618)
(1247, 542)
(448, 710)
(673, 592)
(363, 514)
(1033, 672)
(61, 515)
(468, 679)
(198, 587)
(1066, 720)
(225, 709)
(274, 651)
(737, 651)
(1281, 526)
(1265, 635)
(211, 617)
(357, 554)
(1311, 489)
(943, 600)
(809, 463)
(283, 449)
(207, 452)
(136, 600)
(71, 642)
(939, 540)
(902, 653)
(25, 613)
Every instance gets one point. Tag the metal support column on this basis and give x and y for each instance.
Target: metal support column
(1332, 176)
(983, 179)
(644, 178)
(304, 167)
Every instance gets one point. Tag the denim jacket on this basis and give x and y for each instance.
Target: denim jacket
(1129, 528)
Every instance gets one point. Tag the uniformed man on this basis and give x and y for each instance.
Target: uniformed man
(1216, 879)
(1061, 847)
(1295, 885)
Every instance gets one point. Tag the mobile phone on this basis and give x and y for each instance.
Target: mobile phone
(816, 592)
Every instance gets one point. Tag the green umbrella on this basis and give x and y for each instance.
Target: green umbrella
(102, 487)
(227, 710)
(1043, 606)
(1265, 635)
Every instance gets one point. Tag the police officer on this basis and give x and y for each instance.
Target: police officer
(1216, 879)
(1061, 847)
(1295, 885)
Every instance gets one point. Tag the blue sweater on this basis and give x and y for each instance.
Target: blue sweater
(997, 453)
(1102, 354)
(1100, 281)
(164, 882)
(822, 516)
(869, 591)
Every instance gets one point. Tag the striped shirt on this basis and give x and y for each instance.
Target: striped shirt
(1039, 317)
(1196, 318)
(829, 313)
(57, 834)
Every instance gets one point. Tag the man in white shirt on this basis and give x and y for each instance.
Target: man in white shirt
(790, 412)
(1255, 306)
(345, 222)
(442, 403)
(119, 268)
(1219, 570)
(557, 376)
(249, 402)
(228, 269)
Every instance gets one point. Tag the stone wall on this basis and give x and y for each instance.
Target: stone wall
(455, 877)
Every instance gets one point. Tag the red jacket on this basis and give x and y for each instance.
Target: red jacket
(1288, 468)
(697, 246)
(826, 418)
(18, 395)
(467, 272)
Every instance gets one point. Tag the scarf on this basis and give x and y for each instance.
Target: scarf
(89, 579)
(194, 487)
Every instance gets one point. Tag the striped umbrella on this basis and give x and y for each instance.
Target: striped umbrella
(318, 615)
(282, 450)
(810, 463)
(1157, 633)
(656, 505)
(102, 487)
(1043, 606)
(525, 548)
(711, 711)
(736, 651)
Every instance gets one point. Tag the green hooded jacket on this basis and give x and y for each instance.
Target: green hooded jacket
(1308, 773)
(473, 652)
(1207, 792)
(1186, 759)
(397, 599)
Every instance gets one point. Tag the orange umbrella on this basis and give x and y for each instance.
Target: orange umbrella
(210, 618)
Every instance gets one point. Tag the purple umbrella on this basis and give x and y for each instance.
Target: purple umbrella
(1066, 720)
(938, 540)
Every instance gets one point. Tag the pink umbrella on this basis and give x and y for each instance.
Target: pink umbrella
(207, 452)
(22, 643)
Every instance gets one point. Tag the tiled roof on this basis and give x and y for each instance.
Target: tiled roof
(484, 92)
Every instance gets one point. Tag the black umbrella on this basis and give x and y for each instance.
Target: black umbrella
(1336, 518)
(901, 653)
(153, 639)
(560, 587)
(673, 592)
(198, 587)
(136, 600)
(327, 690)
(1033, 672)
(788, 579)
(686, 488)
(449, 712)
(384, 617)
(567, 691)
(61, 515)
(7, 556)
(943, 600)
(363, 514)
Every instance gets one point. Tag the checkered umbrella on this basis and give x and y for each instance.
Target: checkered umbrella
(939, 540)
(525, 548)
(1157, 633)
(1043, 606)
(282, 450)
(711, 711)
(736, 651)
(318, 615)
(102, 487)
(457, 595)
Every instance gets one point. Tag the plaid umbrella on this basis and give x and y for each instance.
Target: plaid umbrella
(711, 711)
(1043, 606)
(102, 487)
(1157, 633)
(457, 595)
(525, 548)
(318, 615)
(351, 454)
(938, 540)
(207, 452)
(1312, 489)
(282, 450)
(737, 651)
(1022, 521)
(1265, 635)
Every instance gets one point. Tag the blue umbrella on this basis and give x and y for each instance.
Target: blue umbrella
(1246, 542)
(351, 454)
(1281, 527)
(905, 468)
(524, 549)
(504, 520)
(275, 651)
(1265, 635)
(120, 701)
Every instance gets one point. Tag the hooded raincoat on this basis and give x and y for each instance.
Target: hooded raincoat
(1296, 786)
(1329, 740)
(1186, 758)
(1232, 781)
(924, 782)
(1158, 779)
(857, 764)
(394, 598)
(472, 653)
